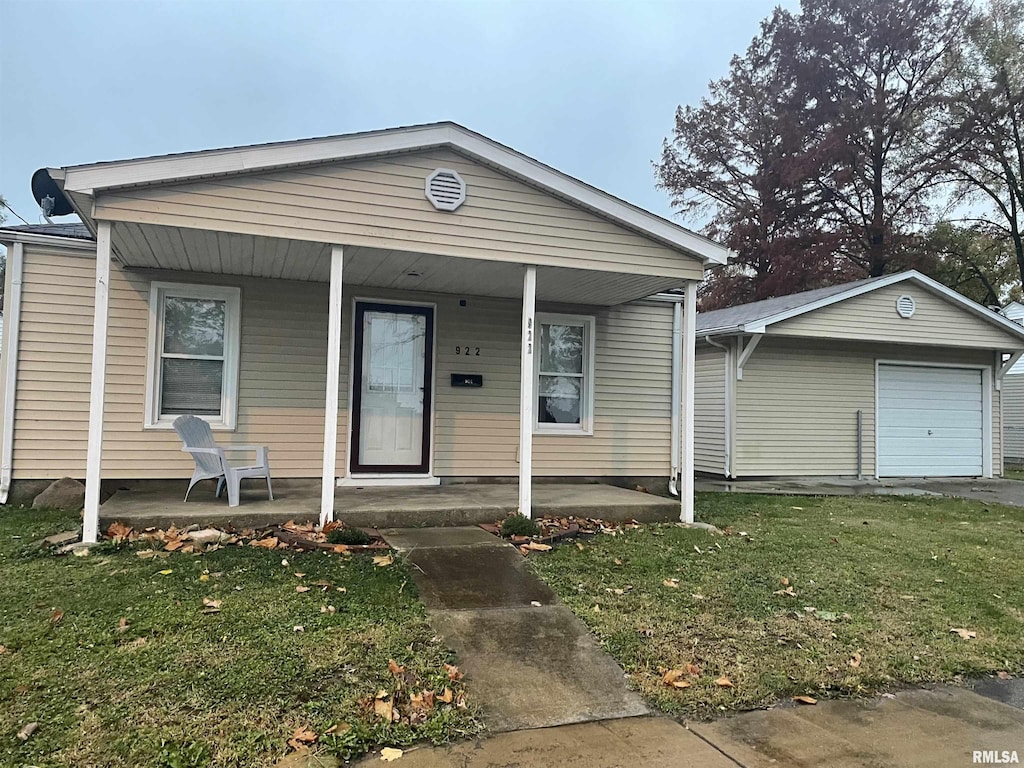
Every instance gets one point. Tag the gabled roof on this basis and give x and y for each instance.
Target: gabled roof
(756, 316)
(72, 235)
(164, 169)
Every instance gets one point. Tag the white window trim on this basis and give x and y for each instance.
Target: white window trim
(231, 296)
(586, 425)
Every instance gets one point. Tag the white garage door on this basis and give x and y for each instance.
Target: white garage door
(930, 421)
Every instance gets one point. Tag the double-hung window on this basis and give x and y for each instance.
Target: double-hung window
(564, 374)
(193, 354)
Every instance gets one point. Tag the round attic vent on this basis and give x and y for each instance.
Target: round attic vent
(905, 306)
(445, 189)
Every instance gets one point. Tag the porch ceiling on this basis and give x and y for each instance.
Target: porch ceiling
(196, 250)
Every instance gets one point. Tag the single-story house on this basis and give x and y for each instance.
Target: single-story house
(892, 376)
(1013, 398)
(406, 306)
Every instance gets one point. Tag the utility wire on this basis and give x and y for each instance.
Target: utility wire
(8, 207)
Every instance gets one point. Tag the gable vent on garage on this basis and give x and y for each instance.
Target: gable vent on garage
(905, 306)
(445, 189)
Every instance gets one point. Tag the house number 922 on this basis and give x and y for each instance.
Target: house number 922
(472, 351)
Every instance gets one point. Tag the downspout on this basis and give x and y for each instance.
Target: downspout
(729, 378)
(677, 351)
(12, 323)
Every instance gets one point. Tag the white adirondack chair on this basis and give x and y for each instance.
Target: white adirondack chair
(212, 462)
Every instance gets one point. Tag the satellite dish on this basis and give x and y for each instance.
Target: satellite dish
(49, 195)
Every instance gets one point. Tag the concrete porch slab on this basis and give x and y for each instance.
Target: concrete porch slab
(161, 504)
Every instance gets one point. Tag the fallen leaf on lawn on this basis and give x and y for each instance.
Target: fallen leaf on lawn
(390, 754)
(535, 603)
(204, 577)
(536, 546)
(3, 649)
(395, 668)
(301, 588)
(1002, 674)
(617, 561)
(446, 695)
(211, 606)
(56, 616)
(267, 543)
(596, 609)
(805, 699)
(119, 531)
(855, 660)
(327, 609)
(298, 628)
(453, 672)
(697, 596)
(784, 581)
(966, 634)
(788, 591)
(674, 583)
(301, 737)
(798, 508)
(26, 732)
(692, 669)
(383, 707)
(579, 546)
(340, 549)
(339, 728)
(145, 554)
(724, 682)
(674, 678)
(299, 575)
(382, 560)
(697, 550)
(174, 544)
(166, 572)
(122, 624)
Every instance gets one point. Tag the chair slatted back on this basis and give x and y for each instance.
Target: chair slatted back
(196, 433)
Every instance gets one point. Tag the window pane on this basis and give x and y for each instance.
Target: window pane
(559, 400)
(561, 348)
(191, 386)
(194, 326)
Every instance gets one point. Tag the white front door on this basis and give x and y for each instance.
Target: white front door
(391, 403)
(930, 421)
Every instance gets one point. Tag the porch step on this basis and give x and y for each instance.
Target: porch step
(445, 505)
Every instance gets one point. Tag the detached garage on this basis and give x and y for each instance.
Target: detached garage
(894, 376)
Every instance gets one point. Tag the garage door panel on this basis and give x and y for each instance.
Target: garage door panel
(930, 421)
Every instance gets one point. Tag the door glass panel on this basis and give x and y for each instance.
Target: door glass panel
(392, 398)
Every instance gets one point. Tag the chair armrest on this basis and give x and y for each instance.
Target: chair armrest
(214, 451)
(241, 447)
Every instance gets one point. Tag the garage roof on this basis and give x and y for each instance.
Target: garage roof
(756, 316)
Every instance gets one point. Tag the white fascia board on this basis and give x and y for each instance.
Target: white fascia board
(88, 179)
(51, 241)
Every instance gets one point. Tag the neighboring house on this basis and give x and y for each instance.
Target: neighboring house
(1013, 397)
(885, 377)
(364, 305)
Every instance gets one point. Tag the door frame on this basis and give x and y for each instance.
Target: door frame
(986, 406)
(395, 473)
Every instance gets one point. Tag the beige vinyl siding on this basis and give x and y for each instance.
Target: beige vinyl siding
(1013, 417)
(872, 317)
(796, 406)
(709, 396)
(51, 410)
(281, 381)
(380, 203)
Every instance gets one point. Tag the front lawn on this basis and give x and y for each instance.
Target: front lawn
(120, 663)
(805, 596)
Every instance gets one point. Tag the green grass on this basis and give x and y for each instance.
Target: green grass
(895, 575)
(1014, 474)
(180, 688)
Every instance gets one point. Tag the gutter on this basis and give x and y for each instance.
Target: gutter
(677, 353)
(15, 261)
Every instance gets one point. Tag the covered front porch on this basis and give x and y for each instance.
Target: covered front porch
(160, 505)
(454, 240)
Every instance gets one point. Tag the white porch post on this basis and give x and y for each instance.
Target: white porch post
(333, 373)
(689, 363)
(526, 394)
(97, 385)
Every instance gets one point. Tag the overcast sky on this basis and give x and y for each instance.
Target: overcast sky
(587, 86)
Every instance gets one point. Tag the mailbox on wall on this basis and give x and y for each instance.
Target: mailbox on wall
(467, 380)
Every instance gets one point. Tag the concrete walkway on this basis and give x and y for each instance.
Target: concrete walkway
(528, 661)
(914, 729)
(999, 490)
